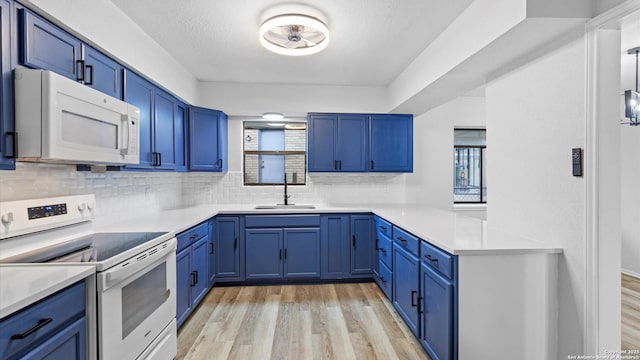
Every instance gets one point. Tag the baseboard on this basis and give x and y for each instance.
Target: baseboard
(631, 273)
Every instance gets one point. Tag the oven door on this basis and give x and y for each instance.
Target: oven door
(136, 301)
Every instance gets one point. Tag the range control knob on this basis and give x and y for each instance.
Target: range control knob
(7, 218)
(82, 206)
(91, 205)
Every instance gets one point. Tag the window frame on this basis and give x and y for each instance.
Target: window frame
(273, 152)
(482, 148)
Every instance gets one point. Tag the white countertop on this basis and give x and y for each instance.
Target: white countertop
(24, 284)
(451, 231)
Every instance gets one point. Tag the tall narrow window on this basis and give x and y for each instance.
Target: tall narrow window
(272, 150)
(469, 179)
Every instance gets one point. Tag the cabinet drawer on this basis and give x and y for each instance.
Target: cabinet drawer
(282, 220)
(406, 240)
(437, 259)
(386, 280)
(47, 317)
(383, 226)
(384, 249)
(190, 236)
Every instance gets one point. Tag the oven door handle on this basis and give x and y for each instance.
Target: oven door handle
(132, 266)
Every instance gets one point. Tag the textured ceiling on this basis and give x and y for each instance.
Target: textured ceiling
(372, 41)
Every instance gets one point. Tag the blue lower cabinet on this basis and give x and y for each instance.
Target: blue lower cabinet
(335, 246)
(302, 253)
(53, 328)
(362, 244)
(437, 318)
(69, 344)
(183, 285)
(264, 253)
(229, 246)
(282, 253)
(192, 270)
(212, 254)
(199, 269)
(385, 280)
(406, 273)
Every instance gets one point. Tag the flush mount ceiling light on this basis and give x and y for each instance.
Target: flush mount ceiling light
(294, 34)
(272, 116)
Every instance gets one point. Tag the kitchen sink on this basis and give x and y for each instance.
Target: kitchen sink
(283, 206)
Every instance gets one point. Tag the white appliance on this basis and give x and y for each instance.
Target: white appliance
(135, 301)
(62, 121)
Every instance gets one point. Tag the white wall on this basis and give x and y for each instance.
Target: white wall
(292, 100)
(431, 183)
(629, 152)
(535, 115)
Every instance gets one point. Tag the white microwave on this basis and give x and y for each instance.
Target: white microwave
(59, 120)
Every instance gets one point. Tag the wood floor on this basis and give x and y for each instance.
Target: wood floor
(332, 321)
(630, 312)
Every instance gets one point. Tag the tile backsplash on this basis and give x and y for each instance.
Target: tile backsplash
(121, 194)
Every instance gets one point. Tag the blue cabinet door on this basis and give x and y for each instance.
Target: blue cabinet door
(302, 253)
(7, 122)
(45, 46)
(352, 142)
(437, 318)
(102, 73)
(69, 343)
(227, 247)
(362, 244)
(180, 133)
(406, 272)
(391, 143)
(264, 253)
(199, 270)
(183, 285)
(334, 230)
(164, 128)
(212, 254)
(322, 144)
(140, 93)
(207, 140)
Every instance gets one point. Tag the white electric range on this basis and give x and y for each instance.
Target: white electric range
(136, 272)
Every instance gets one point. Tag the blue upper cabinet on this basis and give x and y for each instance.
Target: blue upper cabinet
(164, 130)
(322, 144)
(45, 46)
(391, 143)
(140, 93)
(352, 142)
(360, 143)
(7, 123)
(162, 125)
(338, 142)
(207, 140)
(102, 73)
(180, 132)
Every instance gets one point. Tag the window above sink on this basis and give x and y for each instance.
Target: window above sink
(271, 149)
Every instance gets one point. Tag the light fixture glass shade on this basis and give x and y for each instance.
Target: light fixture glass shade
(294, 34)
(272, 116)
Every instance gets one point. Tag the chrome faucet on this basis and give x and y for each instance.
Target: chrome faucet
(286, 196)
